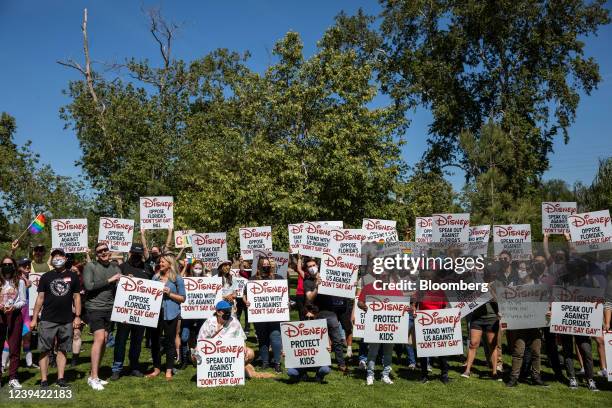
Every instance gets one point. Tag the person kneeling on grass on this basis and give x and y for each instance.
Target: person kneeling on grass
(311, 312)
(224, 326)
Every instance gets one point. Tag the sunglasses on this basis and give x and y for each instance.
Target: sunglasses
(102, 251)
(7, 263)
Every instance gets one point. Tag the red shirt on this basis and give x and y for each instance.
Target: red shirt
(432, 299)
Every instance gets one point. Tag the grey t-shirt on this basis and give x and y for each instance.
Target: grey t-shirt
(100, 294)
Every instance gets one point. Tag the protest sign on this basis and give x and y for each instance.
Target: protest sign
(305, 343)
(210, 248)
(117, 233)
(347, 243)
(316, 239)
(70, 234)
(523, 306)
(466, 301)
(268, 300)
(254, 238)
(577, 294)
(479, 233)
(156, 212)
(591, 231)
(220, 362)
(202, 294)
(515, 238)
(438, 332)
(280, 261)
(608, 348)
(422, 229)
(387, 320)
(379, 230)
(34, 278)
(450, 228)
(240, 282)
(577, 318)
(338, 276)
(296, 232)
(554, 216)
(138, 301)
(182, 239)
(359, 324)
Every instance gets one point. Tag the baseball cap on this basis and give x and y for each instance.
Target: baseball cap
(225, 261)
(223, 305)
(23, 261)
(137, 249)
(57, 251)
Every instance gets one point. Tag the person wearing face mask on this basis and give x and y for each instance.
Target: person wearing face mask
(241, 307)
(58, 291)
(135, 267)
(190, 327)
(100, 280)
(12, 300)
(24, 268)
(229, 284)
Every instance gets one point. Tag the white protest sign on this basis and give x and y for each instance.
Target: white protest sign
(577, 318)
(34, 278)
(523, 306)
(347, 243)
(316, 239)
(268, 300)
(305, 343)
(182, 239)
(117, 233)
(450, 228)
(438, 332)
(554, 216)
(422, 229)
(608, 348)
(590, 230)
(202, 294)
(379, 230)
(479, 233)
(338, 276)
(577, 294)
(279, 259)
(138, 301)
(466, 301)
(387, 320)
(210, 248)
(156, 212)
(70, 234)
(514, 238)
(359, 324)
(221, 362)
(296, 232)
(337, 224)
(254, 238)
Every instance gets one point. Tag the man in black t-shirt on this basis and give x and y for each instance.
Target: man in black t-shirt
(58, 291)
(135, 267)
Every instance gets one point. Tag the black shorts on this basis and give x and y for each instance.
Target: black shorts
(99, 319)
(487, 326)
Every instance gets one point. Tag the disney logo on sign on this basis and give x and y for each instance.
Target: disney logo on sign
(292, 330)
(154, 202)
(316, 229)
(197, 284)
(427, 318)
(345, 235)
(199, 239)
(509, 231)
(423, 222)
(132, 285)
(209, 347)
(296, 228)
(337, 262)
(450, 220)
(557, 208)
(479, 231)
(254, 233)
(34, 279)
(512, 293)
(576, 294)
(263, 288)
(377, 305)
(376, 225)
(578, 221)
(69, 226)
(114, 223)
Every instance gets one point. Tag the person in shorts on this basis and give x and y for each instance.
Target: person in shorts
(58, 290)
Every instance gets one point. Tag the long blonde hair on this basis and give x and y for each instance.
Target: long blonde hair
(173, 272)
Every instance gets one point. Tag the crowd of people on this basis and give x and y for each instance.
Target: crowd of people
(72, 295)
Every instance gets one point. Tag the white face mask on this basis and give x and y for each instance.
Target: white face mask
(197, 271)
(313, 270)
(58, 262)
(522, 273)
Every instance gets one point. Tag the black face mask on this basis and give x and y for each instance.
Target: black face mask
(266, 269)
(539, 268)
(8, 270)
(135, 260)
(225, 315)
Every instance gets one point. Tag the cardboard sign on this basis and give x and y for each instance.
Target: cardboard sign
(577, 318)
(117, 233)
(554, 216)
(268, 300)
(515, 238)
(210, 248)
(338, 276)
(422, 229)
(156, 212)
(221, 362)
(467, 302)
(438, 332)
(182, 239)
(34, 278)
(280, 259)
(608, 348)
(240, 282)
(379, 230)
(387, 320)
(70, 234)
(296, 232)
(254, 238)
(479, 233)
(202, 294)
(305, 343)
(590, 230)
(138, 301)
(450, 228)
(347, 243)
(359, 324)
(523, 307)
(577, 294)
(316, 239)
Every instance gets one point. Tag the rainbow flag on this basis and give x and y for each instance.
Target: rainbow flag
(38, 224)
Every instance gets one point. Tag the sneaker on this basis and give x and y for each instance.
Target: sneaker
(61, 383)
(603, 373)
(116, 375)
(500, 367)
(14, 384)
(581, 372)
(34, 365)
(103, 382)
(590, 385)
(369, 380)
(386, 379)
(277, 368)
(497, 377)
(573, 384)
(445, 379)
(44, 385)
(136, 373)
(429, 369)
(513, 382)
(362, 365)
(424, 380)
(412, 366)
(466, 374)
(349, 352)
(538, 381)
(94, 383)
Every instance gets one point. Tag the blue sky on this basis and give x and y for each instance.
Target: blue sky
(37, 33)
